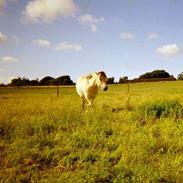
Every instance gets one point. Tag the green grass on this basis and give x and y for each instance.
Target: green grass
(136, 137)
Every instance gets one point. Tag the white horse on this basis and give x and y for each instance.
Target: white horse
(87, 86)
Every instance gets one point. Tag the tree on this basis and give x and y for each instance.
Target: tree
(123, 79)
(45, 80)
(64, 80)
(34, 82)
(180, 76)
(52, 82)
(48, 80)
(20, 81)
(16, 81)
(155, 74)
(110, 80)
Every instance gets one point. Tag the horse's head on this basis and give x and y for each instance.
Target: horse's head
(102, 80)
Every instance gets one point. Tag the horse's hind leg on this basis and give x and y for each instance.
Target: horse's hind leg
(83, 103)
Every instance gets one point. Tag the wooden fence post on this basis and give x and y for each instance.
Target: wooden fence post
(128, 87)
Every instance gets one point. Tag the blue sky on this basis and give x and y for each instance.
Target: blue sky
(58, 37)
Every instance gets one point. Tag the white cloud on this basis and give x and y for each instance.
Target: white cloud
(41, 42)
(127, 35)
(48, 10)
(64, 46)
(9, 59)
(8, 38)
(3, 38)
(90, 21)
(169, 50)
(152, 35)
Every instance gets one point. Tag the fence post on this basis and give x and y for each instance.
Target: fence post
(128, 87)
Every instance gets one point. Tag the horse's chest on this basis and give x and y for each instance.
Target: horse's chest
(92, 91)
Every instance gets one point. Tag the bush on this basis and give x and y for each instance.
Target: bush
(123, 79)
(110, 80)
(45, 80)
(155, 74)
(159, 109)
(20, 81)
(64, 80)
(180, 76)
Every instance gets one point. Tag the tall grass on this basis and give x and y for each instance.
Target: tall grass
(160, 109)
(48, 139)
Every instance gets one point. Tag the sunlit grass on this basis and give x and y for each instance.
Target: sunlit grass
(44, 138)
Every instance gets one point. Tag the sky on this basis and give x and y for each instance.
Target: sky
(57, 37)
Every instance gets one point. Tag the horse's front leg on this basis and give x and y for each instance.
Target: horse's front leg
(83, 102)
(90, 102)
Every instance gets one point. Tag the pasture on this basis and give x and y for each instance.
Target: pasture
(131, 137)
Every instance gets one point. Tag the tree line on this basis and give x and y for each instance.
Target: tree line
(156, 75)
(46, 81)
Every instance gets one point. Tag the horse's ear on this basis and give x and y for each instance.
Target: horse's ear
(102, 73)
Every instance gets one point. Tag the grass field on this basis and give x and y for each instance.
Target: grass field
(131, 137)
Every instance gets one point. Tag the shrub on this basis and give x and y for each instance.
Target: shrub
(123, 79)
(45, 80)
(180, 76)
(64, 80)
(110, 80)
(155, 74)
(20, 81)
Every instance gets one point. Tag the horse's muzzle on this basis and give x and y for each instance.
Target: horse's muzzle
(105, 89)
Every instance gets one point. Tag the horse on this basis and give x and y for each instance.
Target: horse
(87, 86)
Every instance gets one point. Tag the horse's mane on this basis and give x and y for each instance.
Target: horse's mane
(89, 76)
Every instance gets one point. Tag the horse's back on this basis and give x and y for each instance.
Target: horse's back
(84, 85)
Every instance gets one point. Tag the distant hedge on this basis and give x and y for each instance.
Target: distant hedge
(140, 80)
